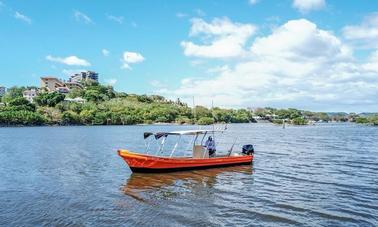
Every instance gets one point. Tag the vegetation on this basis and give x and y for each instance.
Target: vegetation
(104, 106)
(373, 120)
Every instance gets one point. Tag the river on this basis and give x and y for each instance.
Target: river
(321, 175)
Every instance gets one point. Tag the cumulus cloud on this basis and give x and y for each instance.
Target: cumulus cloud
(130, 58)
(105, 52)
(22, 17)
(70, 60)
(305, 6)
(81, 17)
(366, 33)
(308, 42)
(297, 65)
(181, 15)
(225, 39)
(117, 19)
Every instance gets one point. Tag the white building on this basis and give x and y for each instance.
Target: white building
(77, 99)
(84, 76)
(30, 94)
(2, 90)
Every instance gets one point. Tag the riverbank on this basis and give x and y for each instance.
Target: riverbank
(101, 105)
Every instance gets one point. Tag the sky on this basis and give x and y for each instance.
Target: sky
(319, 55)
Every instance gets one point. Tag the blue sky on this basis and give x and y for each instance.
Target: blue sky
(309, 54)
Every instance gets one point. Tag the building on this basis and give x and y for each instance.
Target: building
(62, 90)
(51, 84)
(72, 85)
(84, 76)
(3, 90)
(77, 99)
(30, 94)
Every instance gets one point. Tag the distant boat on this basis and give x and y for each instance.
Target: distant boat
(199, 160)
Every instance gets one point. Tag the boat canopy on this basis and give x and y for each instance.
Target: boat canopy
(158, 135)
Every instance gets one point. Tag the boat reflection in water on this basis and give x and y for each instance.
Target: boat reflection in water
(167, 185)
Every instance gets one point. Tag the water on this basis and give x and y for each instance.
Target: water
(323, 175)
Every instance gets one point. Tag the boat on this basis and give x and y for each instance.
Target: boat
(199, 158)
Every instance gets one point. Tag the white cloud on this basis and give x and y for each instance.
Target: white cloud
(70, 60)
(181, 15)
(79, 16)
(105, 52)
(297, 65)
(131, 58)
(224, 38)
(118, 19)
(111, 81)
(372, 64)
(22, 17)
(309, 42)
(253, 2)
(305, 6)
(366, 33)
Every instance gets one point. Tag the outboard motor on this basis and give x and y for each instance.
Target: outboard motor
(248, 149)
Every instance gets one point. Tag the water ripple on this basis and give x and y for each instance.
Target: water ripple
(322, 175)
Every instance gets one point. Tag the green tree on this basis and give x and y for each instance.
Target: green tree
(362, 120)
(12, 93)
(20, 103)
(21, 117)
(49, 99)
(70, 118)
(299, 121)
(205, 121)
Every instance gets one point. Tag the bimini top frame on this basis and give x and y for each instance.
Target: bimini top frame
(158, 135)
(194, 133)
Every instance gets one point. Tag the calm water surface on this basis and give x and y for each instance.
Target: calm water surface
(323, 175)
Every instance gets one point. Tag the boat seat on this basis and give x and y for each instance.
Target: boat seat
(200, 152)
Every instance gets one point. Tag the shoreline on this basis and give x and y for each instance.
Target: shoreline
(175, 124)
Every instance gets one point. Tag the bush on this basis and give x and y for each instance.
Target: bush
(205, 121)
(70, 118)
(374, 120)
(21, 117)
(277, 121)
(299, 121)
(362, 120)
(49, 99)
(183, 120)
(20, 103)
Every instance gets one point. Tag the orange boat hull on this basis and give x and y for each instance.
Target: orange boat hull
(147, 163)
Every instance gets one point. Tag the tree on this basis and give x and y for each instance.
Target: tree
(21, 117)
(49, 99)
(76, 92)
(205, 121)
(21, 103)
(299, 121)
(362, 120)
(201, 111)
(12, 93)
(70, 118)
